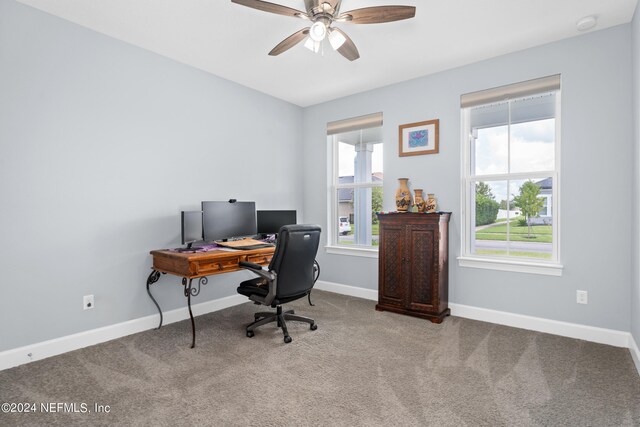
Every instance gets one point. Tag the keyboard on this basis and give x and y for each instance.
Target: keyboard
(258, 246)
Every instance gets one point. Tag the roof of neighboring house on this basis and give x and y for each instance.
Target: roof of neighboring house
(546, 183)
(346, 194)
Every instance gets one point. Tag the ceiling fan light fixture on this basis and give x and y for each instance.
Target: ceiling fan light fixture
(336, 39)
(312, 45)
(322, 13)
(318, 31)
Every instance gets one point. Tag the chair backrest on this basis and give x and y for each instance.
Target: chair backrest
(293, 259)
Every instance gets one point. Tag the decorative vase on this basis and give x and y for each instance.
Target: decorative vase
(418, 201)
(431, 203)
(403, 196)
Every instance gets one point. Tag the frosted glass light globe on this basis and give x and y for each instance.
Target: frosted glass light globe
(318, 31)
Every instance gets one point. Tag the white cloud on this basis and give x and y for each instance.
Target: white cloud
(532, 148)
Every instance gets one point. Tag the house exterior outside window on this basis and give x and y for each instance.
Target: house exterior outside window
(511, 177)
(546, 190)
(355, 172)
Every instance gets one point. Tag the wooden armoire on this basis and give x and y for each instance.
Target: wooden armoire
(413, 264)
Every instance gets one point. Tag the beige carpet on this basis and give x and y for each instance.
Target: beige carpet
(360, 368)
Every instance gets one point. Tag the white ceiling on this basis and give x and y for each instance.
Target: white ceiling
(232, 41)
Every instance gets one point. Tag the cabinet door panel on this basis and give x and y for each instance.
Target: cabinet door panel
(423, 264)
(392, 289)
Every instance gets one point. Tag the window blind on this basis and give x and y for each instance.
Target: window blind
(544, 84)
(355, 123)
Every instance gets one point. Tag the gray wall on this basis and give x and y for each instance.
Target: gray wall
(635, 289)
(596, 164)
(101, 145)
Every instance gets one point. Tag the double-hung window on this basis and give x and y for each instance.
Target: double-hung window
(355, 184)
(511, 177)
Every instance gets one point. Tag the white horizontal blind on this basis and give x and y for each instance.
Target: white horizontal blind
(356, 123)
(501, 93)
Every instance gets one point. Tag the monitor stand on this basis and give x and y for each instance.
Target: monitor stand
(187, 249)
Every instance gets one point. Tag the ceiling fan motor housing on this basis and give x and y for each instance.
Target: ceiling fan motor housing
(317, 8)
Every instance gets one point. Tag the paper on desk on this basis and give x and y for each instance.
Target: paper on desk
(243, 242)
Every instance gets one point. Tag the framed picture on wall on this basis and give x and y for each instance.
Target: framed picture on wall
(419, 138)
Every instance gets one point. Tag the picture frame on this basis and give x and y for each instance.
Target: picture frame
(419, 138)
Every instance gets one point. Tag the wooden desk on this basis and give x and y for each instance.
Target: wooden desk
(199, 265)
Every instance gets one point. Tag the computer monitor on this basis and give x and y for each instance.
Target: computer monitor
(191, 226)
(228, 220)
(269, 222)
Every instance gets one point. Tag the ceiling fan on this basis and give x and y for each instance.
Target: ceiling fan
(322, 13)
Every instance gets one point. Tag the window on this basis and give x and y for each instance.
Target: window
(356, 176)
(511, 177)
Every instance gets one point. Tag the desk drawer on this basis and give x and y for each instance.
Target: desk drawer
(262, 259)
(217, 266)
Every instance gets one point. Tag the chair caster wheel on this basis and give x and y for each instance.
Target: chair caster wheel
(250, 334)
(313, 327)
(287, 339)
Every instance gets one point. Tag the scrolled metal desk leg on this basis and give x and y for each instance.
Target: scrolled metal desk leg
(316, 275)
(309, 296)
(188, 292)
(153, 278)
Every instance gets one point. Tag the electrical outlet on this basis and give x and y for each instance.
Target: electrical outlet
(87, 302)
(582, 297)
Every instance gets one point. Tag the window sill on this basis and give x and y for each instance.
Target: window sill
(509, 265)
(352, 251)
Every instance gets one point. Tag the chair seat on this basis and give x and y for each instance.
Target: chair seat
(260, 287)
(257, 286)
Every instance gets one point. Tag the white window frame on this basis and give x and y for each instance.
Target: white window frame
(333, 186)
(551, 267)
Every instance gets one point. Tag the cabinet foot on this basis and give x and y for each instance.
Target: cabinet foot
(433, 317)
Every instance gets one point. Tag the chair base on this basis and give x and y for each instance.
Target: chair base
(280, 317)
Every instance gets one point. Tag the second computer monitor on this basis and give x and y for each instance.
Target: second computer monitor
(226, 220)
(269, 222)
(191, 227)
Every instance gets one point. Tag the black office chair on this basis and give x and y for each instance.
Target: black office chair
(290, 275)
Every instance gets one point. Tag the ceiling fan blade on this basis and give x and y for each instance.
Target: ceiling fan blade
(377, 14)
(272, 8)
(348, 48)
(289, 42)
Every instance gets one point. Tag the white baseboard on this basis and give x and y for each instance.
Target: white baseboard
(42, 350)
(353, 291)
(555, 327)
(565, 329)
(635, 352)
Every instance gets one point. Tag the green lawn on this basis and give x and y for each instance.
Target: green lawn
(517, 233)
(375, 229)
(514, 253)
